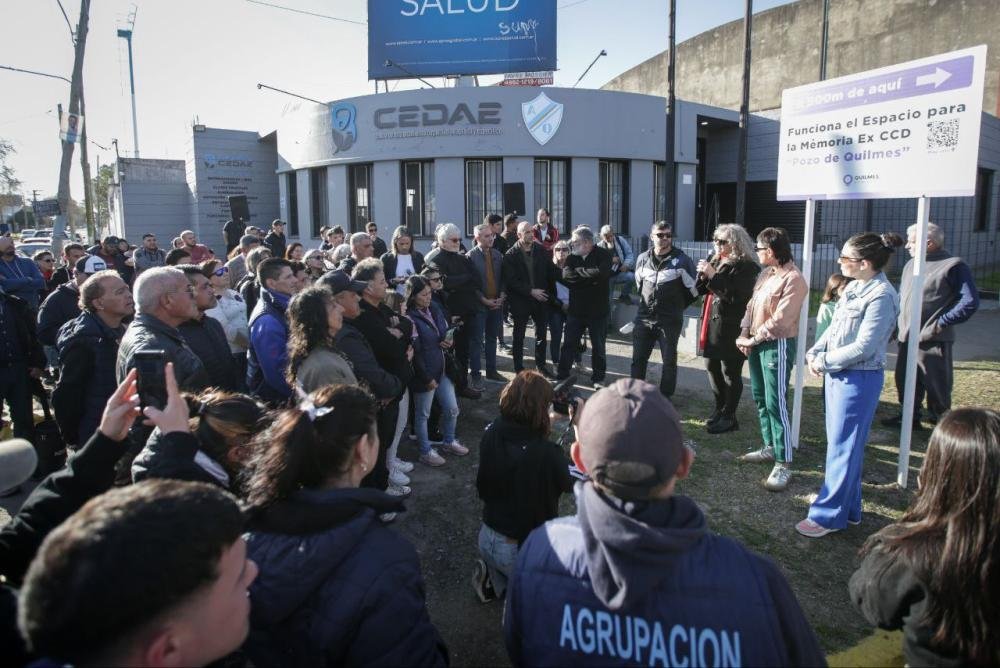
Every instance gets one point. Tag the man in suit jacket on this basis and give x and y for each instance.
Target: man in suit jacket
(486, 326)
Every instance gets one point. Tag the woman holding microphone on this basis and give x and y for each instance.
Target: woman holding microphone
(726, 279)
(851, 353)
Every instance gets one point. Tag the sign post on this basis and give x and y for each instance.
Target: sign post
(908, 130)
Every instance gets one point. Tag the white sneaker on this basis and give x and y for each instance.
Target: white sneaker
(401, 491)
(455, 448)
(386, 518)
(401, 465)
(397, 477)
(432, 458)
(778, 480)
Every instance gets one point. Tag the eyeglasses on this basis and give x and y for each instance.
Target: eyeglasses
(721, 242)
(221, 271)
(561, 249)
(760, 249)
(663, 235)
(844, 258)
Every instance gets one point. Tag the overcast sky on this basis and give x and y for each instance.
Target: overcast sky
(203, 59)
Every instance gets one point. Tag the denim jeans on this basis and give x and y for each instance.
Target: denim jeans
(486, 329)
(500, 553)
(422, 401)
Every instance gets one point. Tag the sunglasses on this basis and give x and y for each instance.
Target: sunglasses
(435, 279)
(47, 259)
(663, 235)
(561, 249)
(456, 240)
(721, 242)
(221, 271)
(844, 258)
(760, 249)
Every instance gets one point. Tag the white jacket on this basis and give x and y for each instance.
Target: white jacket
(232, 313)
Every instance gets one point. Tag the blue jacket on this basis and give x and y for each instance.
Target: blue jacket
(267, 357)
(862, 323)
(647, 583)
(21, 278)
(336, 587)
(428, 357)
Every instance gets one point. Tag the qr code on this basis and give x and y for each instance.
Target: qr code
(942, 136)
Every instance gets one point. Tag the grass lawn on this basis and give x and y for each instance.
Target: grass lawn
(737, 505)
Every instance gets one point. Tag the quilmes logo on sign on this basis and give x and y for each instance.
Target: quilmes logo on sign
(345, 130)
(212, 161)
(542, 118)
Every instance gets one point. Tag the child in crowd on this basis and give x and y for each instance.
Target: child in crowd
(831, 295)
(935, 572)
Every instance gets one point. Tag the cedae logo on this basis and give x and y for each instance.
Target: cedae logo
(542, 118)
(432, 115)
(212, 161)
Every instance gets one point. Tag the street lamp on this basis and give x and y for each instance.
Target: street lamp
(127, 36)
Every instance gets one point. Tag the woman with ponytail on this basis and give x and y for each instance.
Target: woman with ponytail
(851, 356)
(336, 587)
(223, 424)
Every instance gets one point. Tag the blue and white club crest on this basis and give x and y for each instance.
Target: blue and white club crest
(542, 117)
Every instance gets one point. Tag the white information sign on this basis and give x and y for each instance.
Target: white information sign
(909, 130)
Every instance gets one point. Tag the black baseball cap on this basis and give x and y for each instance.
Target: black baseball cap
(630, 439)
(338, 281)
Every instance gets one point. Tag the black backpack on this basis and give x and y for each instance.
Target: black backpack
(48, 442)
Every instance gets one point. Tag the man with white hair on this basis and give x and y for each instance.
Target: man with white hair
(586, 274)
(362, 248)
(950, 298)
(164, 299)
(197, 251)
(238, 265)
(622, 263)
(461, 283)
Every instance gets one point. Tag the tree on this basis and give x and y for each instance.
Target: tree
(8, 182)
(101, 183)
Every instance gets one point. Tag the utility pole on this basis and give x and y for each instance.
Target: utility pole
(741, 159)
(669, 167)
(88, 201)
(75, 95)
(126, 34)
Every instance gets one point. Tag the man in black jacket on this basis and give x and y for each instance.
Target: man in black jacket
(71, 253)
(205, 334)
(378, 246)
(587, 273)
(275, 239)
(461, 283)
(233, 230)
(88, 348)
(64, 303)
(526, 276)
(21, 358)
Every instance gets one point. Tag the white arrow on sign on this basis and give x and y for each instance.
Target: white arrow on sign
(938, 78)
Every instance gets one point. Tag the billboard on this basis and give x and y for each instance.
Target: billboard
(408, 38)
(908, 130)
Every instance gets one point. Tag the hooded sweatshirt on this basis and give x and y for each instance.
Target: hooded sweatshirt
(336, 587)
(648, 583)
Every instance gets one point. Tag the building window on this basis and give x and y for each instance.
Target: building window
(291, 185)
(552, 190)
(319, 200)
(360, 191)
(659, 191)
(483, 191)
(613, 195)
(984, 187)
(419, 211)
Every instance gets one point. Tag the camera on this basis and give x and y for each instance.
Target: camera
(564, 395)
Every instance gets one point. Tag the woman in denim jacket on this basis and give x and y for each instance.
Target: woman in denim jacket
(851, 353)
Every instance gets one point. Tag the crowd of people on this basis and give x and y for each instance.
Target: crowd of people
(244, 513)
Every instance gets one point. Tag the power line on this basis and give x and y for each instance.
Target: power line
(72, 35)
(302, 11)
(41, 74)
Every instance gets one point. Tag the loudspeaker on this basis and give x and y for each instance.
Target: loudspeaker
(513, 198)
(238, 207)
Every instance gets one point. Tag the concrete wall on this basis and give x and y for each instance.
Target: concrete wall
(221, 163)
(154, 198)
(863, 35)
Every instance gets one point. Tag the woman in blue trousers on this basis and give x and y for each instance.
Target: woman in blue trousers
(851, 354)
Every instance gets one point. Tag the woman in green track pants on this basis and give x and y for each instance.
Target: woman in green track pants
(768, 340)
